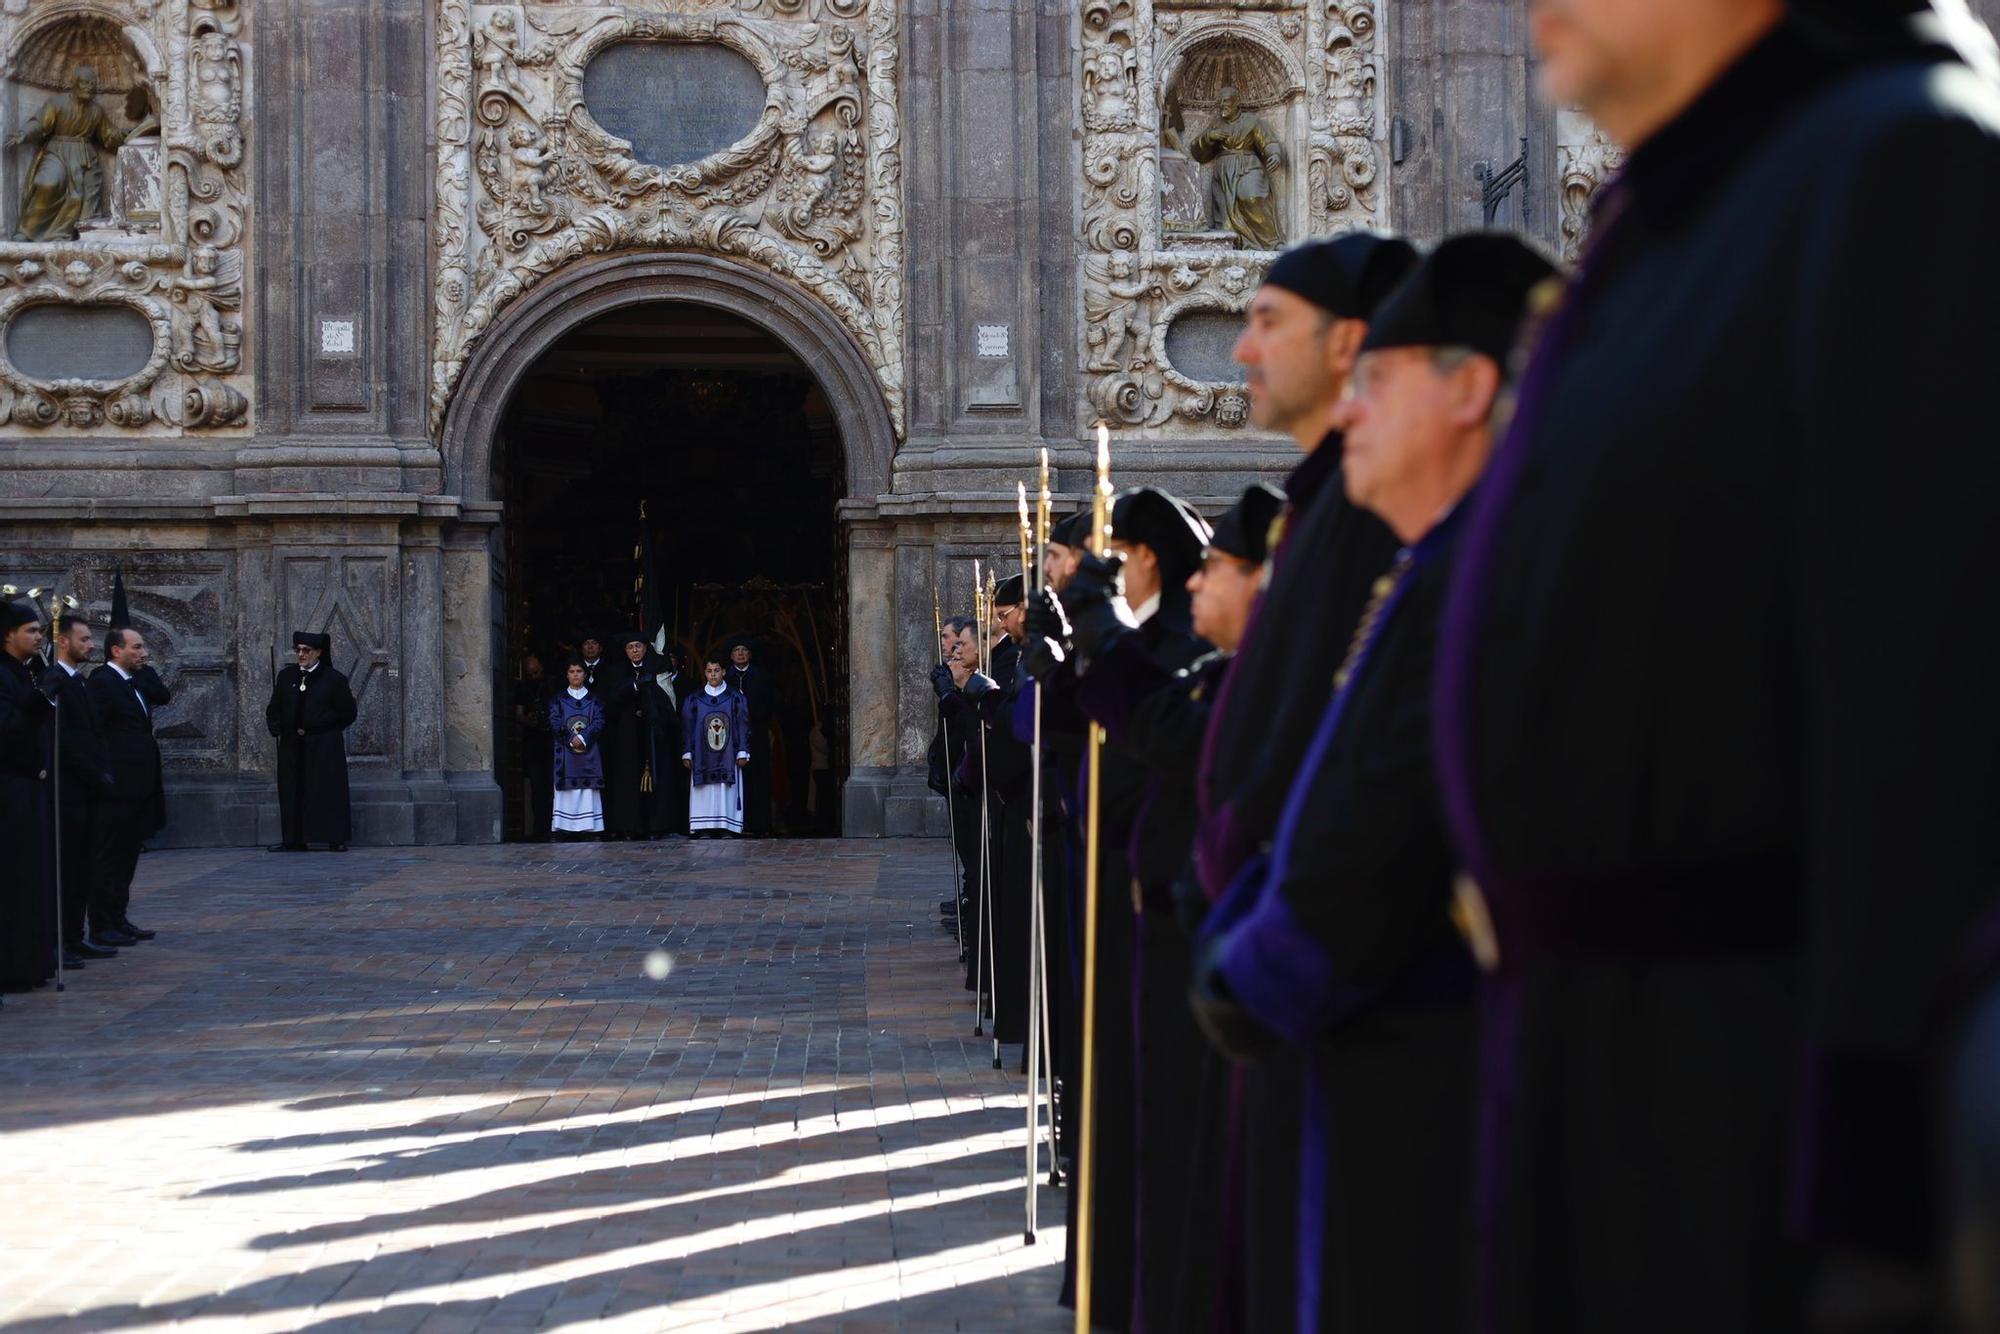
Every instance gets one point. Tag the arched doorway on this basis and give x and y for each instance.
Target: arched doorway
(675, 467)
(674, 375)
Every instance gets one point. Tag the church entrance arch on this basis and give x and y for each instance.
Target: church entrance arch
(740, 415)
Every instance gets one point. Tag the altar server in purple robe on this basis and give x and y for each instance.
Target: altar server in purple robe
(715, 720)
(576, 718)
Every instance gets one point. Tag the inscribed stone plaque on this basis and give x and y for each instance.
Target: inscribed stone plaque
(677, 102)
(61, 342)
(1199, 344)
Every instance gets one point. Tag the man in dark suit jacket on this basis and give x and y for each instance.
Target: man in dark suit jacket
(125, 690)
(85, 786)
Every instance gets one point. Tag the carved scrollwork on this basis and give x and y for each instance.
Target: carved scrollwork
(1585, 160)
(178, 255)
(528, 180)
(1309, 72)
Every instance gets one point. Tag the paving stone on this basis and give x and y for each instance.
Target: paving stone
(434, 1090)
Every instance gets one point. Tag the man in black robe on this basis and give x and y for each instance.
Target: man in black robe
(1339, 941)
(125, 691)
(594, 666)
(1008, 766)
(672, 678)
(1301, 334)
(85, 786)
(1156, 544)
(531, 714)
(755, 683)
(637, 736)
(946, 754)
(28, 933)
(311, 706)
(1716, 728)
(1161, 717)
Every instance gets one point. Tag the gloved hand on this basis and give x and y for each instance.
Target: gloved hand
(978, 686)
(1088, 603)
(1044, 617)
(1229, 1028)
(941, 681)
(1042, 657)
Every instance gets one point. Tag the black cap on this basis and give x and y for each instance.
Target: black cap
(311, 640)
(634, 637)
(1010, 592)
(1245, 531)
(1348, 275)
(1148, 516)
(1072, 530)
(14, 615)
(1472, 291)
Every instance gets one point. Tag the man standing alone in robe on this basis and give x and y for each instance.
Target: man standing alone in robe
(754, 684)
(311, 706)
(125, 690)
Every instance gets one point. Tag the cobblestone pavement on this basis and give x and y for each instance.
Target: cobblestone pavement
(435, 1089)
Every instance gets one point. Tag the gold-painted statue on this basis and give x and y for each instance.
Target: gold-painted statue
(64, 184)
(1243, 156)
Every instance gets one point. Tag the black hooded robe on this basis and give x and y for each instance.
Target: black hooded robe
(312, 753)
(755, 683)
(27, 893)
(1716, 721)
(642, 748)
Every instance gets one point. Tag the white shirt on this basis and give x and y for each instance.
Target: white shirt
(1144, 611)
(144, 707)
(66, 667)
(576, 692)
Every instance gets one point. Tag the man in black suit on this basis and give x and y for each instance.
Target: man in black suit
(125, 690)
(85, 786)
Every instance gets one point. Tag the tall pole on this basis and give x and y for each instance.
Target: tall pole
(1041, 938)
(992, 943)
(1100, 531)
(56, 603)
(981, 977)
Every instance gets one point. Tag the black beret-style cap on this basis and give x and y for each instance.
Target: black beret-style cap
(307, 638)
(634, 637)
(1072, 530)
(1148, 516)
(1010, 592)
(1245, 530)
(14, 615)
(1472, 291)
(1348, 275)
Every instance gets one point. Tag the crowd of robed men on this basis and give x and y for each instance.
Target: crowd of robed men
(1546, 876)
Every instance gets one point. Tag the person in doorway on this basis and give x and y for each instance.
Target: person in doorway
(635, 715)
(532, 694)
(672, 678)
(133, 808)
(592, 649)
(311, 706)
(715, 721)
(754, 684)
(576, 721)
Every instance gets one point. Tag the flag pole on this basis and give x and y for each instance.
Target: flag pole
(1100, 531)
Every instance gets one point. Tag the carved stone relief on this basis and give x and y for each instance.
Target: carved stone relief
(1214, 132)
(149, 214)
(1585, 160)
(528, 181)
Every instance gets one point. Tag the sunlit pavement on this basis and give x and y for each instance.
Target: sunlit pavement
(436, 1089)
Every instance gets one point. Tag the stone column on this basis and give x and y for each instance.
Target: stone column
(873, 589)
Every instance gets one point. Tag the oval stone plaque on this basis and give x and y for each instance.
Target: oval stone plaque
(676, 101)
(1199, 344)
(60, 342)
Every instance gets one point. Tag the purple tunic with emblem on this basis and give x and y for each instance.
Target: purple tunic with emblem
(583, 717)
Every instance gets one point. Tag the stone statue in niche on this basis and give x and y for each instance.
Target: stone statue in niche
(64, 183)
(1243, 157)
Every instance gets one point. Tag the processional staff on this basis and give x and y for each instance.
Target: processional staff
(1100, 533)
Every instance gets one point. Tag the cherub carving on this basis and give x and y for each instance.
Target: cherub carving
(819, 191)
(530, 158)
(1114, 305)
(213, 283)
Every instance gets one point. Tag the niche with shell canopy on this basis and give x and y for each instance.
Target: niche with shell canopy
(1232, 119)
(81, 125)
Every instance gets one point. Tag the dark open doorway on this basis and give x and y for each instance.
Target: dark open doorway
(720, 433)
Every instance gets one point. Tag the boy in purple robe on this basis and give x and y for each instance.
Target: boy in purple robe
(716, 724)
(576, 719)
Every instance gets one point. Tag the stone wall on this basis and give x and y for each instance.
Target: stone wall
(944, 206)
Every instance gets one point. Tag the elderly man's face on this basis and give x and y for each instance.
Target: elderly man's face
(968, 647)
(592, 650)
(130, 652)
(308, 655)
(1404, 419)
(635, 651)
(740, 656)
(1223, 589)
(1593, 53)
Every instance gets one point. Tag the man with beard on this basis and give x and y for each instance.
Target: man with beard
(125, 691)
(310, 707)
(641, 737)
(1716, 728)
(28, 934)
(86, 785)
(1339, 941)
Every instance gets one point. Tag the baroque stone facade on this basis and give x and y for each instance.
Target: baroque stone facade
(980, 225)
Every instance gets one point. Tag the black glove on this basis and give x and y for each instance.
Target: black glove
(978, 686)
(1044, 616)
(1041, 658)
(941, 681)
(1229, 1028)
(1093, 618)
